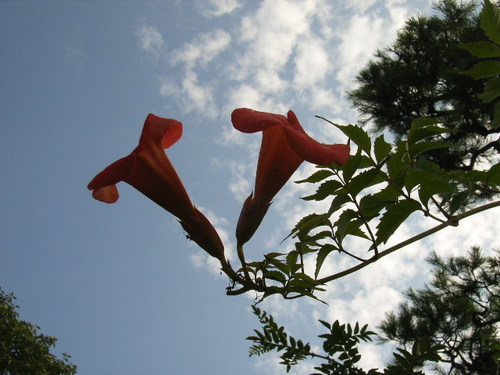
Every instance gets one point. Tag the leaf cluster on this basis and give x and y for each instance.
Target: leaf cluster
(341, 345)
(459, 310)
(273, 337)
(452, 322)
(419, 76)
(23, 350)
(489, 53)
(340, 349)
(380, 187)
(368, 199)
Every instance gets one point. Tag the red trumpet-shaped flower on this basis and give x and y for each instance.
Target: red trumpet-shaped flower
(285, 145)
(149, 170)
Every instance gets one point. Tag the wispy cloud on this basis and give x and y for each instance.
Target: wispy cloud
(217, 8)
(150, 40)
(193, 57)
(190, 94)
(202, 50)
(268, 38)
(312, 62)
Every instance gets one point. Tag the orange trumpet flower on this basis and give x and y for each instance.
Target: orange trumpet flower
(285, 145)
(149, 170)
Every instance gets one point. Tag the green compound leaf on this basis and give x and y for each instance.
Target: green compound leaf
(322, 254)
(482, 49)
(308, 223)
(341, 224)
(457, 201)
(352, 166)
(276, 276)
(393, 217)
(316, 176)
(422, 147)
(370, 206)
(366, 179)
(418, 176)
(484, 69)
(397, 166)
(432, 187)
(357, 135)
(381, 148)
(338, 202)
(490, 21)
(417, 134)
(491, 90)
(493, 175)
(326, 189)
(423, 121)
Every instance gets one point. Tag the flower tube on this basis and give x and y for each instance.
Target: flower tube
(285, 145)
(148, 169)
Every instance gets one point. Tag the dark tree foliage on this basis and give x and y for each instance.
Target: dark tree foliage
(459, 310)
(419, 76)
(24, 351)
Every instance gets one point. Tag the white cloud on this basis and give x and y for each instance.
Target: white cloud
(360, 39)
(269, 39)
(190, 94)
(150, 40)
(362, 33)
(457, 240)
(198, 96)
(250, 95)
(217, 8)
(271, 34)
(245, 95)
(240, 186)
(360, 5)
(203, 49)
(311, 62)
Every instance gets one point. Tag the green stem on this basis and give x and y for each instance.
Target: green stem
(241, 256)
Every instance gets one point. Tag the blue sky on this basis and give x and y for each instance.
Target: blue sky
(119, 285)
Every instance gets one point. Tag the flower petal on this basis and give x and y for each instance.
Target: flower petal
(103, 185)
(106, 194)
(165, 131)
(293, 121)
(314, 151)
(249, 121)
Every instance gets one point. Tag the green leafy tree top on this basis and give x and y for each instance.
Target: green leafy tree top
(419, 76)
(459, 310)
(23, 350)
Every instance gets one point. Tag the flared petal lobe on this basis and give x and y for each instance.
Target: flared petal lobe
(317, 153)
(250, 121)
(148, 169)
(285, 145)
(103, 185)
